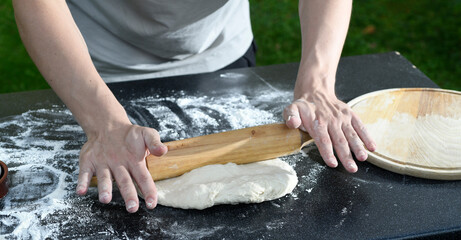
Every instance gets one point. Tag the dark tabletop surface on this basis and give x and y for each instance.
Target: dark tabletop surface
(40, 142)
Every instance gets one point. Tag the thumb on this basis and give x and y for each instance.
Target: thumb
(153, 143)
(291, 116)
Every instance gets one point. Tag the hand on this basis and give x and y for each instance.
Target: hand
(119, 153)
(332, 125)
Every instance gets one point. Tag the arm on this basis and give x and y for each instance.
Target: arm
(115, 148)
(316, 109)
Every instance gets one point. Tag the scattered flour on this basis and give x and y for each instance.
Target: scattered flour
(41, 148)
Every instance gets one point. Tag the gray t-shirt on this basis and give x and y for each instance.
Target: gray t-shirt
(138, 39)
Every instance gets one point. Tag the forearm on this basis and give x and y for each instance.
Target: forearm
(316, 109)
(324, 25)
(55, 44)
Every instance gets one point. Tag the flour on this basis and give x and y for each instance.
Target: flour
(41, 148)
(31, 199)
(436, 137)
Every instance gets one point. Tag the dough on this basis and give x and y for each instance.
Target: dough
(228, 184)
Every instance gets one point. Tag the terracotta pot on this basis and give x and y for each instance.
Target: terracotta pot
(3, 179)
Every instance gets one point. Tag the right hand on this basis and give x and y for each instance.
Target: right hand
(118, 152)
(333, 126)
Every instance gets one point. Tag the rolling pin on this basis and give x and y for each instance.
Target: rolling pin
(240, 146)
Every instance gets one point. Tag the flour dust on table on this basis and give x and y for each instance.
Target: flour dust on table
(41, 148)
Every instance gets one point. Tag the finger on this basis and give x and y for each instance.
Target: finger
(291, 116)
(146, 185)
(354, 142)
(363, 133)
(307, 117)
(153, 143)
(342, 149)
(83, 182)
(104, 185)
(324, 144)
(85, 173)
(127, 189)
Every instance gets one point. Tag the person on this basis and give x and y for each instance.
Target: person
(138, 39)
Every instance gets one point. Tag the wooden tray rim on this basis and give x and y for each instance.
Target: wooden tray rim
(402, 167)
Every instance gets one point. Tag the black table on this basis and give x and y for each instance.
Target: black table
(40, 142)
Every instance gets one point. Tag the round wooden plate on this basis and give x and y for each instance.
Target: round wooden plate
(417, 130)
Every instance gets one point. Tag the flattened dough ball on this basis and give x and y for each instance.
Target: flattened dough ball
(228, 184)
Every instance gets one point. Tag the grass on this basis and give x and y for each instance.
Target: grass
(17, 71)
(428, 33)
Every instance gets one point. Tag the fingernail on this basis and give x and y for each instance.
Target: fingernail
(104, 197)
(288, 119)
(150, 203)
(130, 205)
(362, 155)
(80, 188)
(333, 162)
(352, 167)
(158, 148)
(373, 146)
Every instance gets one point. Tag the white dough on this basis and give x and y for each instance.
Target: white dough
(228, 184)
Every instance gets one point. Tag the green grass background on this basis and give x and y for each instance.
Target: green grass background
(426, 32)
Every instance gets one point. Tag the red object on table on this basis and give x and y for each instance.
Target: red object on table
(3, 180)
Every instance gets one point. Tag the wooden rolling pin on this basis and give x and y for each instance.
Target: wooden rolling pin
(237, 146)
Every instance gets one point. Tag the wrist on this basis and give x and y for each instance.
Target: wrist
(97, 110)
(312, 83)
(315, 75)
(106, 120)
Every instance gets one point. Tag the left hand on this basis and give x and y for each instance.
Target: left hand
(333, 126)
